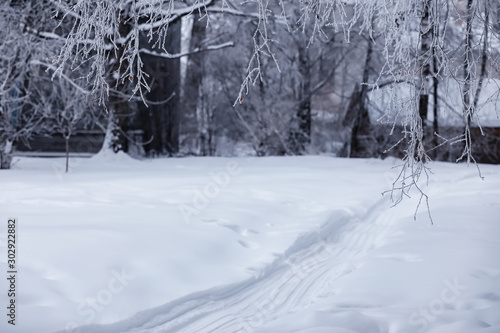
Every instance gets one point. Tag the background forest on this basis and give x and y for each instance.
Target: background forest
(418, 80)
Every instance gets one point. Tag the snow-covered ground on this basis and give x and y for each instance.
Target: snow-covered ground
(295, 244)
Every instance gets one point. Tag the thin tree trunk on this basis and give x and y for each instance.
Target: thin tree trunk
(466, 89)
(425, 49)
(435, 85)
(119, 108)
(6, 155)
(357, 117)
(66, 138)
(484, 56)
(202, 120)
(111, 128)
(301, 129)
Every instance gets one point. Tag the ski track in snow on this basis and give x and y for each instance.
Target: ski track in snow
(306, 272)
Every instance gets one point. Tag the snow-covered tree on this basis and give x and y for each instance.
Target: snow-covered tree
(20, 50)
(64, 108)
(411, 30)
(423, 44)
(115, 38)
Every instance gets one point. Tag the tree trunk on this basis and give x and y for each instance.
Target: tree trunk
(426, 35)
(202, 120)
(192, 89)
(357, 117)
(5, 161)
(66, 139)
(198, 79)
(118, 107)
(484, 56)
(361, 140)
(107, 144)
(468, 108)
(6, 155)
(300, 133)
(160, 122)
(435, 86)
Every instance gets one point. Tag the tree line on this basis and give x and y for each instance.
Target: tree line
(270, 78)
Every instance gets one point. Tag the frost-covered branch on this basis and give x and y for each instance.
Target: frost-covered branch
(62, 75)
(183, 54)
(109, 31)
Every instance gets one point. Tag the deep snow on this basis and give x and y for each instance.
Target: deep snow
(295, 244)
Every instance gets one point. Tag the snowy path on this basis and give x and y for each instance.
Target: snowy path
(292, 282)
